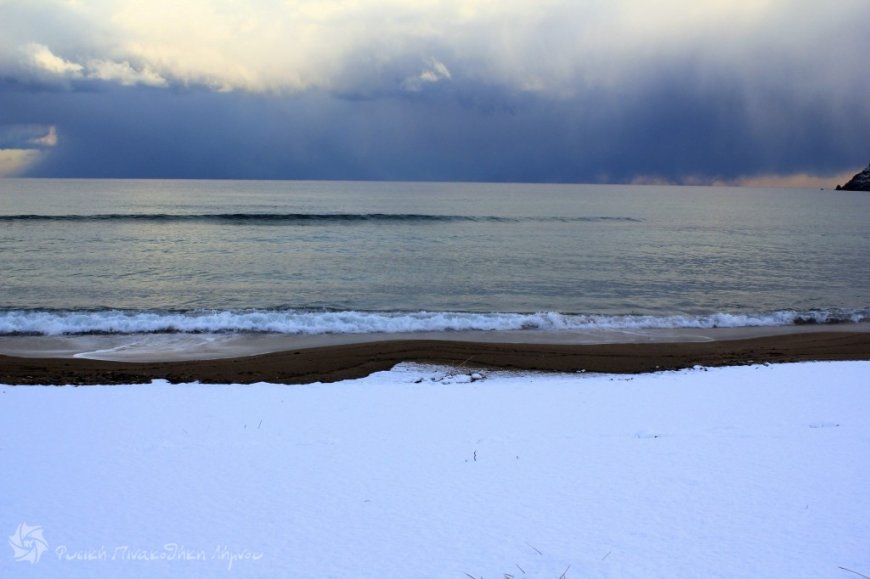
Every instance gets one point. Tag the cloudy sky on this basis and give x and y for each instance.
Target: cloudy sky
(617, 91)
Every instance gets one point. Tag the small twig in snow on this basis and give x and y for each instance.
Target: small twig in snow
(464, 362)
(606, 556)
(533, 547)
(855, 572)
(520, 568)
(562, 576)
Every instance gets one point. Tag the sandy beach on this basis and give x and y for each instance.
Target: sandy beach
(318, 360)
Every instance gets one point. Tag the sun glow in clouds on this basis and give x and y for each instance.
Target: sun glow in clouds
(23, 147)
(42, 59)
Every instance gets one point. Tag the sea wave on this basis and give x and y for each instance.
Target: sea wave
(311, 322)
(302, 218)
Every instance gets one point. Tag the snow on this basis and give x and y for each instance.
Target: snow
(754, 471)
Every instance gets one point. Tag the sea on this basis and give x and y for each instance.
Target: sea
(81, 257)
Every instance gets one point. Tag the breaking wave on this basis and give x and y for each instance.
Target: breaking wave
(311, 322)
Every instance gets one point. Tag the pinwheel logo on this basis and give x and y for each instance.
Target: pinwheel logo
(27, 543)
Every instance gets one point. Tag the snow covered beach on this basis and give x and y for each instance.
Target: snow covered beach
(424, 471)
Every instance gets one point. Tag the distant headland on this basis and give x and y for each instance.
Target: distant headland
(860, 182)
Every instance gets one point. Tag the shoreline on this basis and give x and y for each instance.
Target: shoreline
(334, 362)
(176, 347)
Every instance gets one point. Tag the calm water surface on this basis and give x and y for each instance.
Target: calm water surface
(237, 246)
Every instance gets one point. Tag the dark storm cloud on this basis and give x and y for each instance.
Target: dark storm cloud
(458, 132)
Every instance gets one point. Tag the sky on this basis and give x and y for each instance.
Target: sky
(744, 92)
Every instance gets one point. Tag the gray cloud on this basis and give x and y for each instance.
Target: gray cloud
(27, 136)
(549, 91)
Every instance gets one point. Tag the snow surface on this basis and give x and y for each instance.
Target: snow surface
(755, 471)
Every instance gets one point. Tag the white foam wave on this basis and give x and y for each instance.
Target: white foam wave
(48, 322)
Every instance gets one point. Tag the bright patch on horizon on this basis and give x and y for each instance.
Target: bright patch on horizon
(22, 147)
(15, 162)
(793, 180)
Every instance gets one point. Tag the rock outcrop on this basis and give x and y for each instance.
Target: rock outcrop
(860, 182)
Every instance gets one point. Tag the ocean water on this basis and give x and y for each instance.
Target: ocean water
(105, 256)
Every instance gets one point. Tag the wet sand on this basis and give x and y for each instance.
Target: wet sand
(315, 359)
(179, 347)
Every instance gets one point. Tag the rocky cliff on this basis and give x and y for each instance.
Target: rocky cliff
(860, 182)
